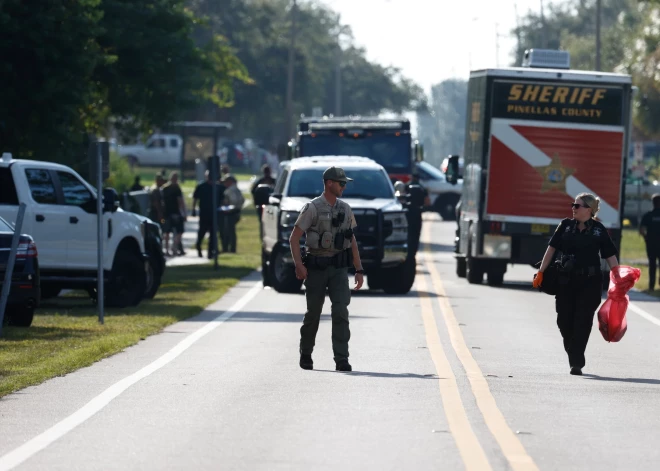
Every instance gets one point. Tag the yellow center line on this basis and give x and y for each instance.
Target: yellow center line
(511, 447)
(468, 445)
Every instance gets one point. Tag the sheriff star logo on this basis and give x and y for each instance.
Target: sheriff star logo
(554, 175)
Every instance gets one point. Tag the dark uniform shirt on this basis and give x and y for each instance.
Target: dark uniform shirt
(204, 193)
(584, 245)
(171, 195)
(651, 221)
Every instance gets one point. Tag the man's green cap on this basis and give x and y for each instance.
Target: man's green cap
(337, 174)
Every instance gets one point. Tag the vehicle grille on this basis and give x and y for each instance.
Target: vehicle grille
(366, 232)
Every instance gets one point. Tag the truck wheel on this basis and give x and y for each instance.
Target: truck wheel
(473, 271)
(461, 267)
(154, 276)
(375, 281)
(20, 316)
(446, 207)
(399, 280)
(49, 291)
(495, 278)
(283, 275)
(127, 280)
(265, 270)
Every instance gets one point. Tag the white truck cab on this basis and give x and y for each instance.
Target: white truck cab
(160, 149)
(61, 217)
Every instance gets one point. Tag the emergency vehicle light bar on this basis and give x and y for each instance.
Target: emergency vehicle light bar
(355, 125)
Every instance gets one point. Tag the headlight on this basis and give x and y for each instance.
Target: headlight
(395, 226)
(288, 218)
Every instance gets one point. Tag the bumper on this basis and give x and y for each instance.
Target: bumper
(24, 291)
(393, 255)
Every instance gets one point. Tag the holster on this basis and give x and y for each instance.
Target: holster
(341, 260)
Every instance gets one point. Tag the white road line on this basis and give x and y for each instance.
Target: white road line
(38, 443)
(644, 314)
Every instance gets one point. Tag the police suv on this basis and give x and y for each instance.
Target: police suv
(381, 232)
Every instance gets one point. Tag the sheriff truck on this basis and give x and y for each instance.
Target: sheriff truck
(536, 136)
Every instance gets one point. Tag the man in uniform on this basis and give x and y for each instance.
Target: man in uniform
(328, 223)
(204, 194)
(649, 228)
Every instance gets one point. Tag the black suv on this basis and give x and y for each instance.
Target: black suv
(381, 232)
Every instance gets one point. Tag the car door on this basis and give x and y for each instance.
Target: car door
(155, 152)
(271, 215)
(48, 223)
(81, 221)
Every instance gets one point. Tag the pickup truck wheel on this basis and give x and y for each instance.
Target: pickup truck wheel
(265, 270)
(20, 316)
(127, 280)
(154, 275)
(399, 280)
(283, 275)
(495, 278)
(446, 206)
(461, 267)
(375, 281)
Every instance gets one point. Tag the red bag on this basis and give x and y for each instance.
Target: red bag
(612, 314)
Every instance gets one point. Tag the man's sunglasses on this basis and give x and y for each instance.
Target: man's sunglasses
(578, 206)
(341, 184)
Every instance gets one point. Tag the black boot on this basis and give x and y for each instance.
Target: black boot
(306, 362)
(343, 365)
(576, 371)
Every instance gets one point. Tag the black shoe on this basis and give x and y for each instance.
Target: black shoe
(343, 365)
(306, 362)
(576, 371)
(199, 253)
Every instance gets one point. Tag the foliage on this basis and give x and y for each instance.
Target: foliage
(121, 176)
(72, 68)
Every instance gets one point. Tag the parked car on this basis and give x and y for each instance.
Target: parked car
(443, 195)
(381, 232)
(24, 293)
(61, 217)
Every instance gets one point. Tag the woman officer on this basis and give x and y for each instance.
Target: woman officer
(579, 241)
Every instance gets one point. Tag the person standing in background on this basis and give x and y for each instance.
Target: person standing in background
(649, 228)
(233, 204)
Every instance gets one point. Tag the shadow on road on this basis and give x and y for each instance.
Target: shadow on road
(623, 380)
(382, 375)
(282, 317)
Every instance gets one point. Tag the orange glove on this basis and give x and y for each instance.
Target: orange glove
(538, 279)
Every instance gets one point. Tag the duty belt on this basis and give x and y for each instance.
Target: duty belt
(341, 260)
(588, 271)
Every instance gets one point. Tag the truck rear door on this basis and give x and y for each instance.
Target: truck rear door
(549, 142)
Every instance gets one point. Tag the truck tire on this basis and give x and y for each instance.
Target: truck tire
(495, 278)
(282, 275)
(265, 270)
(20, 316)
(461, 267)
(154, 277)
(445, 205)
(375, 280)
(127, 280)
(473, 272)
(400, 280)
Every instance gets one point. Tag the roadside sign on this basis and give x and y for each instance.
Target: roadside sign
(639, 152)
(92, 157)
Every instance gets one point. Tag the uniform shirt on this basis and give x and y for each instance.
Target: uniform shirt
(651, 221)
(171, 195)
(204, 193)
(233, 196)
(585, 245)
(308, 214)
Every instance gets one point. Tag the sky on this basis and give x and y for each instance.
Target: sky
(428, 43)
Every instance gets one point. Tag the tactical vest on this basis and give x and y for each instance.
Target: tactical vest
(331, 228)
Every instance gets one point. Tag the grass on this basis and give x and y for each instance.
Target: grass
(633, 250)
(66, 335)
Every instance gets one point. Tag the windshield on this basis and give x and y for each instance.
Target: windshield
(432, 171)
(367, 184)
(392, 152)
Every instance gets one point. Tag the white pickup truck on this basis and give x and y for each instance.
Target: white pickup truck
(159, 150)
(61, 218)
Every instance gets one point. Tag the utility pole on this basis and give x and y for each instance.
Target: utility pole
(598, 14)
(544, 36)
(290, 75)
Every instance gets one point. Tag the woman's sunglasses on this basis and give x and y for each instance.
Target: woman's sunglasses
(341, 184)
(578, 206)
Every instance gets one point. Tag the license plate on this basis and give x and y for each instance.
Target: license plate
(540, 228)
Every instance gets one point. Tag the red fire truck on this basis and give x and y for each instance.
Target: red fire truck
(536, 136)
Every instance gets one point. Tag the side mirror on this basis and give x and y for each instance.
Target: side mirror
(261, 194)
(452, 169)
(274, 200)
(418, 151)
(110, 200)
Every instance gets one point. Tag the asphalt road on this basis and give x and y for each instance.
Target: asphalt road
(451, 376)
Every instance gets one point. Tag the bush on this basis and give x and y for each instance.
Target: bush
(121, 176)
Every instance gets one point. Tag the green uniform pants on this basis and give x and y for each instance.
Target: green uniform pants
(336, 280)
